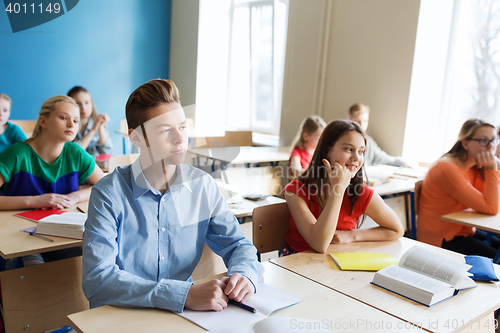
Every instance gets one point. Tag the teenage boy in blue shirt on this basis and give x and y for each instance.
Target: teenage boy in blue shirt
(147, 222)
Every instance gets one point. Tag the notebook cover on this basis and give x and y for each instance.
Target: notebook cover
(38, 214)
(363, 261)
(103, 157)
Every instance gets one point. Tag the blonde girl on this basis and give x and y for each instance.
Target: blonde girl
(9, 133)
(466, 176)
(46, 170)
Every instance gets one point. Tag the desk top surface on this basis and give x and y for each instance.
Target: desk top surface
(14, 243)
(469, 305)
(475, 219)
(241, 207)
(394, 185)
(335, 310)
(245, 154)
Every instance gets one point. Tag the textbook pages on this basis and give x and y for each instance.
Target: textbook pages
(425, 277)
(266, 301)
(68, 224)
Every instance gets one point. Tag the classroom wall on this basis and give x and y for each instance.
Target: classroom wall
(368, 59)
(184, 50)
(109, 47)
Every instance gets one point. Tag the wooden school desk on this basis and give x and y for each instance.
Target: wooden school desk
(38, 298)
(243, 155)
(338, 312)
(475, 219)
(241, 207)
(470, 311)
(471, 218)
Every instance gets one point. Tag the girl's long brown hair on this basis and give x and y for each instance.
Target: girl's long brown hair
(316, 173)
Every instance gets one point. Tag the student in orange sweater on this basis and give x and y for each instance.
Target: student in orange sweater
(328, 199)
(467, 176)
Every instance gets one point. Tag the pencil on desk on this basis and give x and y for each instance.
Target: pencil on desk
(40, 236)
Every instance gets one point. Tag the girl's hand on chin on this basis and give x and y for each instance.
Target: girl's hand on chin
(338, 176)
(486, 160)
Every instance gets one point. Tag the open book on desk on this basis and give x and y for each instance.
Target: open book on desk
(55, 222)
(266, 301)
(425, 277)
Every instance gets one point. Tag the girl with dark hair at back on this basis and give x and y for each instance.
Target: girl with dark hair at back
(467, 176)
(328, 199)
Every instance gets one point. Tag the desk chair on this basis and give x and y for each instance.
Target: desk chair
(270, 226)
(27, 126)
(414, 213)
(120, 160)
(418, 190)
(238, 138)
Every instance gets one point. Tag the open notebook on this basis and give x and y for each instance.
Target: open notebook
(267, 300)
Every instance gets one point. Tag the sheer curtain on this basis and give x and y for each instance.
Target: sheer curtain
(241, 47)
(455, 75)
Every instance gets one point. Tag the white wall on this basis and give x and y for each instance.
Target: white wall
(184, 50)
(305, 42)
(369, 60)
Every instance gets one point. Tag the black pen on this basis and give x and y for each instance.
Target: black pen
(243, 306)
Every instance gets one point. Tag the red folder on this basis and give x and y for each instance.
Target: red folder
(37, 215)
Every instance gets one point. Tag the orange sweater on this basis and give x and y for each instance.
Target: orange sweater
(449, 188)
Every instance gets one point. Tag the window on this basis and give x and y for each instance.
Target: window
(241, 55)
(456, 74)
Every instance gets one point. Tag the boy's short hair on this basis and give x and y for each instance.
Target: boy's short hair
(357, 107)
(148, 95)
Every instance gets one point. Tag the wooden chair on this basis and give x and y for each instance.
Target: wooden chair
(414, 213)
(27, 126)
(270, 226)
(418, 189)
(120, 160)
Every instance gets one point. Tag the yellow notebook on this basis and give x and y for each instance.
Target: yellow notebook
(363, 261)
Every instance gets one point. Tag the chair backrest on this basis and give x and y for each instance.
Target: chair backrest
(238, 138)
(270, 226)
(418, 189)
(123, 126)
(27, 126)
(119, 160)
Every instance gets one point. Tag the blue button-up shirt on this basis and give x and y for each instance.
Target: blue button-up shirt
(141, 247)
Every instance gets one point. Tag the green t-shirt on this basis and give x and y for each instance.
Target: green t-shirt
(25, 173)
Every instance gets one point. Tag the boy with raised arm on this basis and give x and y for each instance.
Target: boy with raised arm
(148, 221)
